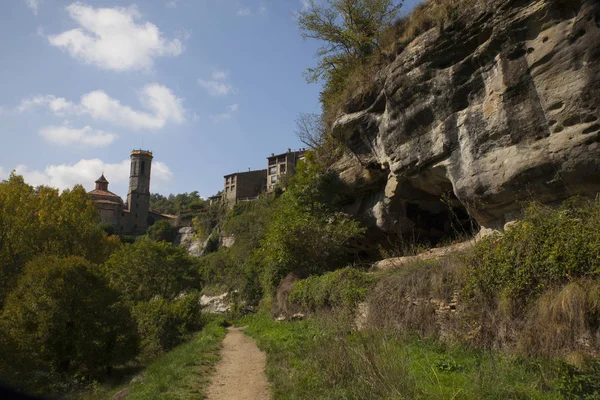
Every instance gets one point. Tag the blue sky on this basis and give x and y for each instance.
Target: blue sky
(210, 86)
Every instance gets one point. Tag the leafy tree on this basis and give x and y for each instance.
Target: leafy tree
(162, 231)
(305, 232)
(63, 317)
(43, 221)
(146, 269)
(177, 204)
(351, 30)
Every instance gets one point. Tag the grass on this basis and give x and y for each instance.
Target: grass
(324, 360)
(181, 373)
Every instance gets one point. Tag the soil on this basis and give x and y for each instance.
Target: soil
(240, 375)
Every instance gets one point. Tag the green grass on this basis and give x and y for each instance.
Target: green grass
(182, 373)
(321, 360)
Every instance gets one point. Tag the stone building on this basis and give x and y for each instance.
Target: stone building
(133, 217)
(242, 186)
(282, 164)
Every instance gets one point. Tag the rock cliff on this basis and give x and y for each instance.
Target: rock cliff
(500, 106)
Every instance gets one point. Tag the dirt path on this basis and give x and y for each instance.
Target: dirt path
(240, 374)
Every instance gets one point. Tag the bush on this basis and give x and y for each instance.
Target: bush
(342, 289)
(162, 231)
(44, 221)
(62, 317)
(163, 324)
(306, 233)
(547, 248)
(146, 269)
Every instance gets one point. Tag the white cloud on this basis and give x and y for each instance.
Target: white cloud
(163, 105)
(171, 4)
(85, 172)
(263, 9)
(86, 136)
(111, 38)
(34, 5)
(306, 4)
(58, 105)
(218, 85)
(244, 12)
(231, 110)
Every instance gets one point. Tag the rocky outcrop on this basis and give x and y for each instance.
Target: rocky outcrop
(500, 106)
(186, 239)
(219, 304)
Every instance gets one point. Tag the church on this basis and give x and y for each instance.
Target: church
(134, 216)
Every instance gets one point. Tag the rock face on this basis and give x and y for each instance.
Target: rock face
(185, 238)
(500, 107)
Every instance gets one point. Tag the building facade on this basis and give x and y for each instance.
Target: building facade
(242, 186)
(282, 164)
(133, 217)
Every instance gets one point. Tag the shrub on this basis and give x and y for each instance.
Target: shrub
(163, 324)
(306, 233)
(342, 289)
(62, 317)
(547, 248)
(162, 231)
(146, 269)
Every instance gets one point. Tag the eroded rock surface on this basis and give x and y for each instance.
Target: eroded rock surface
(499, 107)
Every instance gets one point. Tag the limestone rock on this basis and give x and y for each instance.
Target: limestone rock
(215, 304)
(185, 238)
(499, 107)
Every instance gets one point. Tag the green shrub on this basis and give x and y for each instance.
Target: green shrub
(162, 231)
(547, 248)
(146, 269)
(63, 318)
(341, 289)
(162, 324)
(306, 232)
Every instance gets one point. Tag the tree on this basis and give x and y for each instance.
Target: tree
(63, 316)
(43, 221)
(310, 129)
(146, 269)
(351, 30)
(305, 232)
(162, 231)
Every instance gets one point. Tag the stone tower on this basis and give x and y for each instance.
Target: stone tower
(138, 196)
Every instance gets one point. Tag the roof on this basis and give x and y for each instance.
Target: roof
(98, 192)
(247, 172)
(296, 152)
(102, 179)
(103, 201)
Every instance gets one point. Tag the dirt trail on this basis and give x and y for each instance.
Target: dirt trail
(240, 374)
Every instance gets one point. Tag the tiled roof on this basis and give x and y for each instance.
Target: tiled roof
(102, 179)
(99, 192)
(102, 201)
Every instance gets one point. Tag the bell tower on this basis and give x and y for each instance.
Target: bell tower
(138, 195)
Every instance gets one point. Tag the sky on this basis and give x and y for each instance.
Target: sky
(211, 87)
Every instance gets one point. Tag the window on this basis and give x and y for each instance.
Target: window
(272, 170)
(232, 188)
(142, 172)
(272, 161)
(282, 168)
(274, 179)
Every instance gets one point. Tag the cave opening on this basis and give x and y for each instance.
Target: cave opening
(427, 214)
